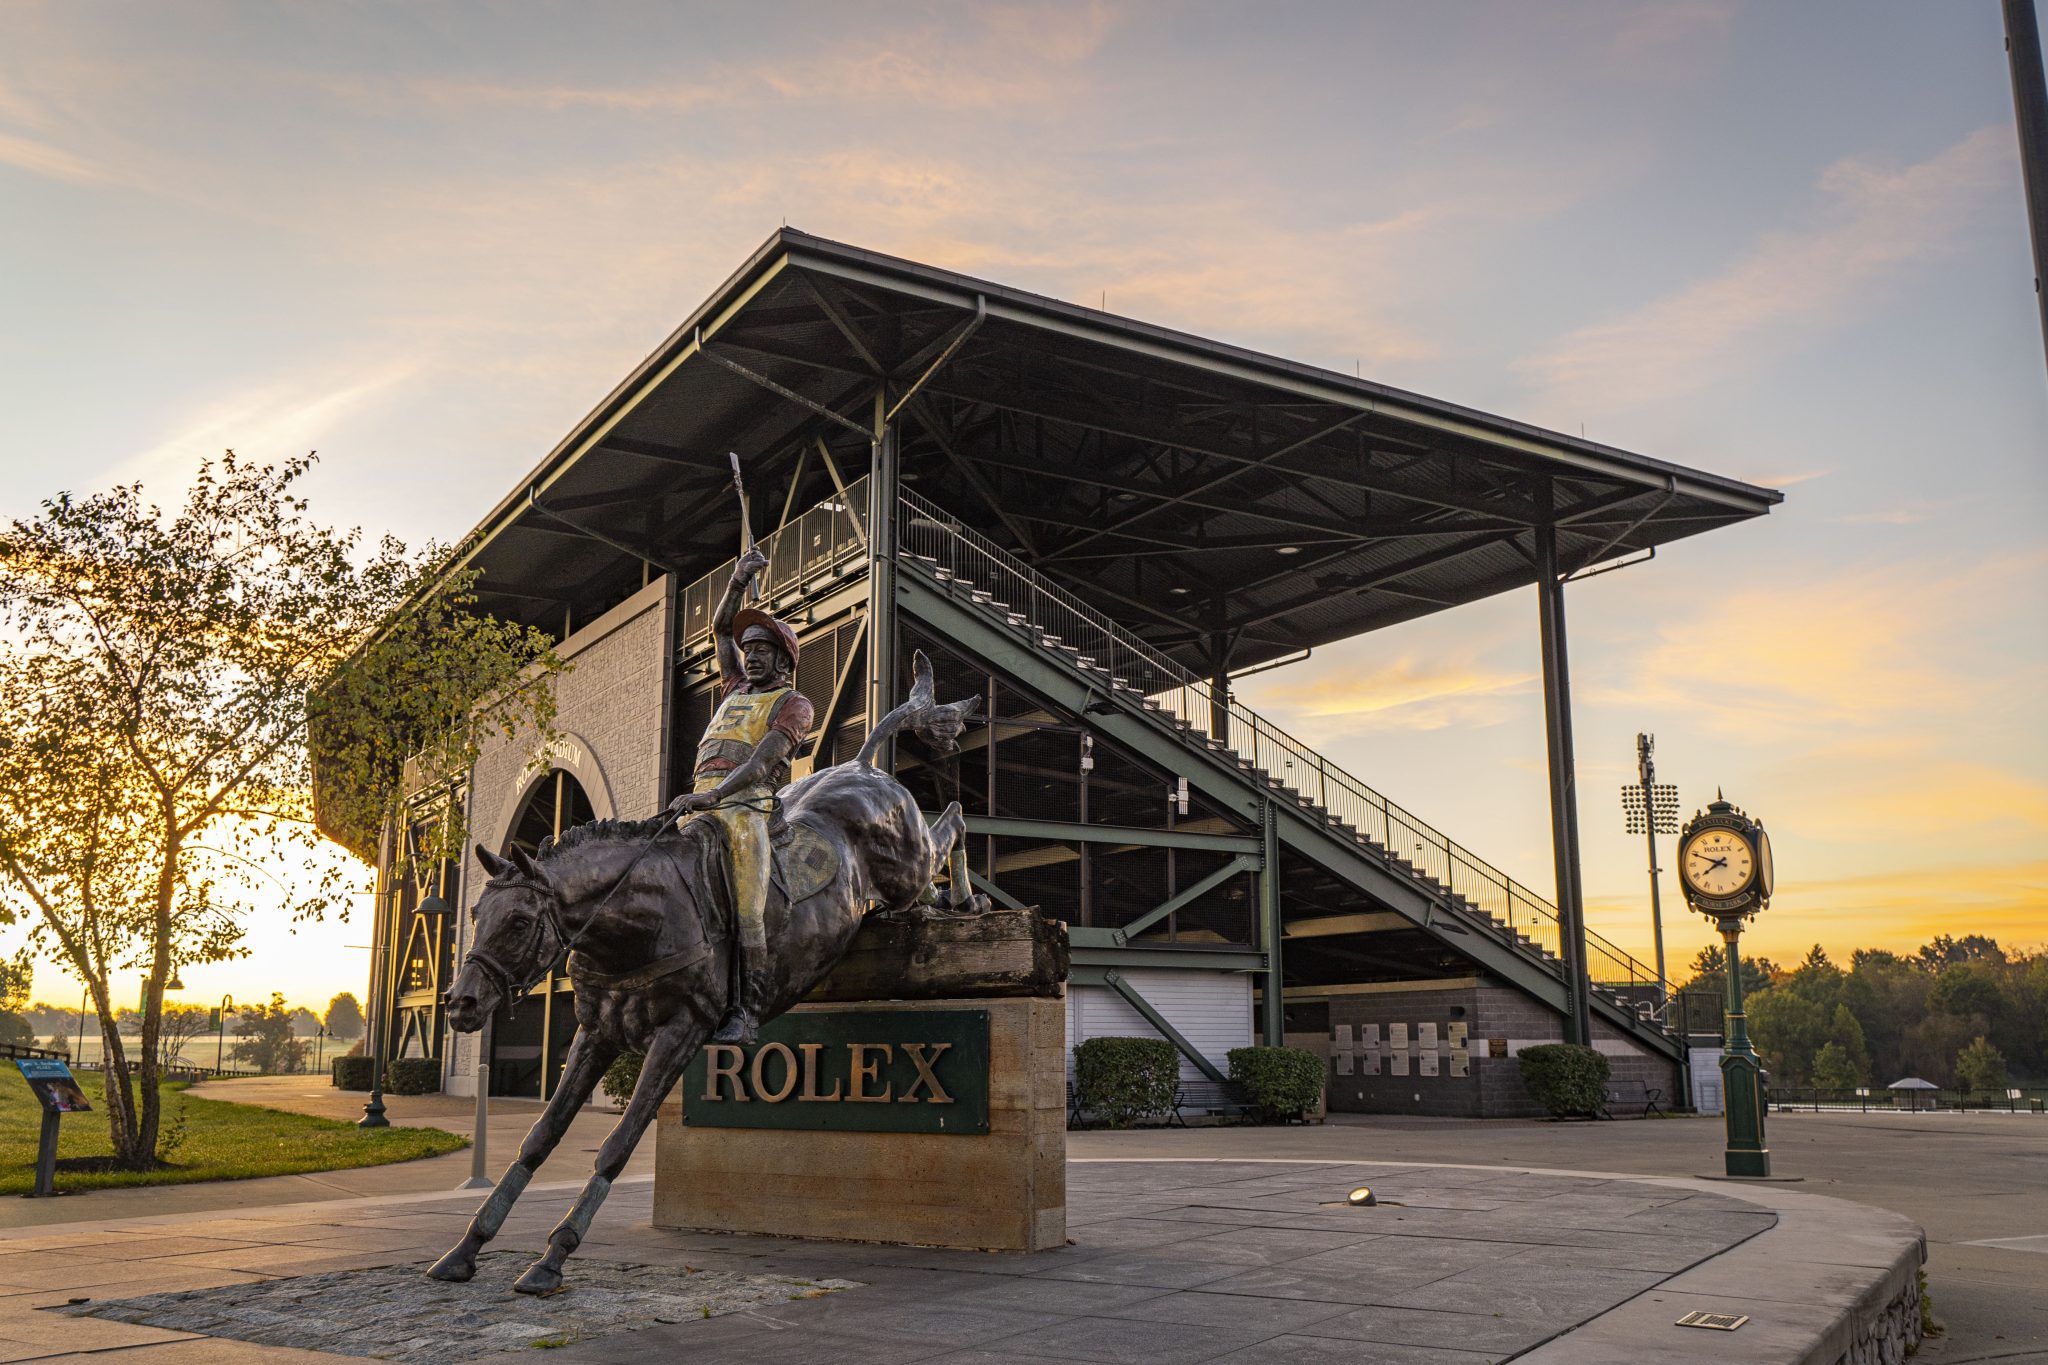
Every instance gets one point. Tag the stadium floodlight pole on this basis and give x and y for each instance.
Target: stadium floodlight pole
(1648, 770)
(1651, 808)
(2030, 107)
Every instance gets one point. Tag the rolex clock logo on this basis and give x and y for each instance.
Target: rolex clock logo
(1724, 861)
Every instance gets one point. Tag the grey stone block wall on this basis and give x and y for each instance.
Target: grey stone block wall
(609, 712)
(1497, 1017)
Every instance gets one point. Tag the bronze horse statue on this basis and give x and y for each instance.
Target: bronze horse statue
(648, 913)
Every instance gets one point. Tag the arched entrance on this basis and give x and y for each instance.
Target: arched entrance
(529, 1043)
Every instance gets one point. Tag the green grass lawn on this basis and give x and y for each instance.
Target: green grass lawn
(222, 1141)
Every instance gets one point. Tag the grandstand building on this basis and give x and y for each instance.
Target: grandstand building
(1091, 524)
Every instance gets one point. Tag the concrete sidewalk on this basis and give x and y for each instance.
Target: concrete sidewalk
(509, 1121)
(1974, 1181)
(1177, 1261)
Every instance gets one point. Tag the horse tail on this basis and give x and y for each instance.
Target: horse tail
(939, 725)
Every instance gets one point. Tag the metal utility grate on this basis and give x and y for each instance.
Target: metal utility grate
(1719, 1322)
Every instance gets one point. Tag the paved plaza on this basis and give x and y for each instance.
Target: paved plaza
(1211, 1244)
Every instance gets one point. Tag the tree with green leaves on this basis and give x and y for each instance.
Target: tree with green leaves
(268, 1042)
(158, 673)
(16, 978)
(1980, 1066)
(1832, 1069)
(344, 1017)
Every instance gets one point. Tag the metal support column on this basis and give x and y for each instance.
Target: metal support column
(2030, 105)
(1564, 796)
(1272, 997)
(373, 1108)
(1219, 686)
(882, 632)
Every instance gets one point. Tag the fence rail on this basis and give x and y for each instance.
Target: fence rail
(1878, 1100)
(953, 551)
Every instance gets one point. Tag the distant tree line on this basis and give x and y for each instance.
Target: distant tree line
(1959, 1012)
(269, 1032)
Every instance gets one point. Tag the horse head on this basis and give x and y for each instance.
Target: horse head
(518, 935)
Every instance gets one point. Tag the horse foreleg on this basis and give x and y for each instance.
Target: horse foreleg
(949, 855)
(588, 1058)
(667, 1055)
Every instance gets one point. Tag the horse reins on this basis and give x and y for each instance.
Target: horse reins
(550, 918)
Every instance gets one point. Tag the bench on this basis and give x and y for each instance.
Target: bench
(1210, 1099)
(1629, 1094)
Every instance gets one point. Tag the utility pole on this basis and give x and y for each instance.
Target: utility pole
(1651, 809)
(2030, 107)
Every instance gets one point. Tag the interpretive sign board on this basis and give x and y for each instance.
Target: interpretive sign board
(55, 1089)
(854, 1071)
(53, 1085)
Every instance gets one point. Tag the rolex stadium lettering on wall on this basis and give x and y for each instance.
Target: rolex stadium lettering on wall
(874, 1071)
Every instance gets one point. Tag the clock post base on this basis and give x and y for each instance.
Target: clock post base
(1748, 1165)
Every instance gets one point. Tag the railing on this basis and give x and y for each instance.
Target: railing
(956, 551)
(1885, 1100)
(819, 546)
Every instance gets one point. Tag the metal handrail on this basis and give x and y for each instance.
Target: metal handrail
(955, 552)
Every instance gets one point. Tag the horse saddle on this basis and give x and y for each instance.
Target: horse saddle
(805, 861)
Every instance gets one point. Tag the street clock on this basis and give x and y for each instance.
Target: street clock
(1724, 862)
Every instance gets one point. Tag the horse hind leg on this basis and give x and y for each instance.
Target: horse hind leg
(587, 1061)
(669, 1052)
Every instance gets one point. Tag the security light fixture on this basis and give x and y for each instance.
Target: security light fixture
(1362, 1198)
(1288, 550)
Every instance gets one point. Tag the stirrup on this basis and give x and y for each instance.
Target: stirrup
(738, 1027)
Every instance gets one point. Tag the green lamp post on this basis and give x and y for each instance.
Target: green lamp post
(1724, 864)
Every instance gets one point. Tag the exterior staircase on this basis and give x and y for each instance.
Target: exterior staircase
(1339, 821)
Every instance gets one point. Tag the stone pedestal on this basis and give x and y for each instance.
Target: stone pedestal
(784, 1139)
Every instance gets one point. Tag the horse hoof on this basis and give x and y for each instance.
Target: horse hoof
(540, 1278)
(456, 1268)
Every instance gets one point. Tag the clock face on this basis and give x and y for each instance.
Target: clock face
(1717, 863)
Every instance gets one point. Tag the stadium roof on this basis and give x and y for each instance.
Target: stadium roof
(1197, 491)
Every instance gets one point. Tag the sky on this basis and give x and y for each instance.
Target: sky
(1783, 243)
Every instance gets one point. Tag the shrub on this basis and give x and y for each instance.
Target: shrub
(351, 1072)
(1568, 1080)
(1123, 1079)
(412, 1076)
(1284, 1082)
(622, 1075)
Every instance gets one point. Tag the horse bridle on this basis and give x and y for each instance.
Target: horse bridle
(549, 920)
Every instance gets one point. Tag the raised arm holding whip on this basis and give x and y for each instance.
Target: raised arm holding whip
(743, 760)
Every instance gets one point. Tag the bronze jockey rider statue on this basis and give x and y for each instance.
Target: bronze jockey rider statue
(742, 761)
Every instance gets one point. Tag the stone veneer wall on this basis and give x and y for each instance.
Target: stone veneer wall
(610, 710)
(1891, 1335)
(1495, 1017)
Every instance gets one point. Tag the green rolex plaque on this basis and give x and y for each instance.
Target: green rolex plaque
(859, 1071)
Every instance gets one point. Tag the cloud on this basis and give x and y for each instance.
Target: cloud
(285, 417)
(1874, 223)
(54, 163)
(1407, 693)
(1895, 908)
(1666, 38)
(1010, 54)
(1865, 648)
(1911, 514)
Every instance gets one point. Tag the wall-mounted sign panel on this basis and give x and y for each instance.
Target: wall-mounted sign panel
(861, 1071)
